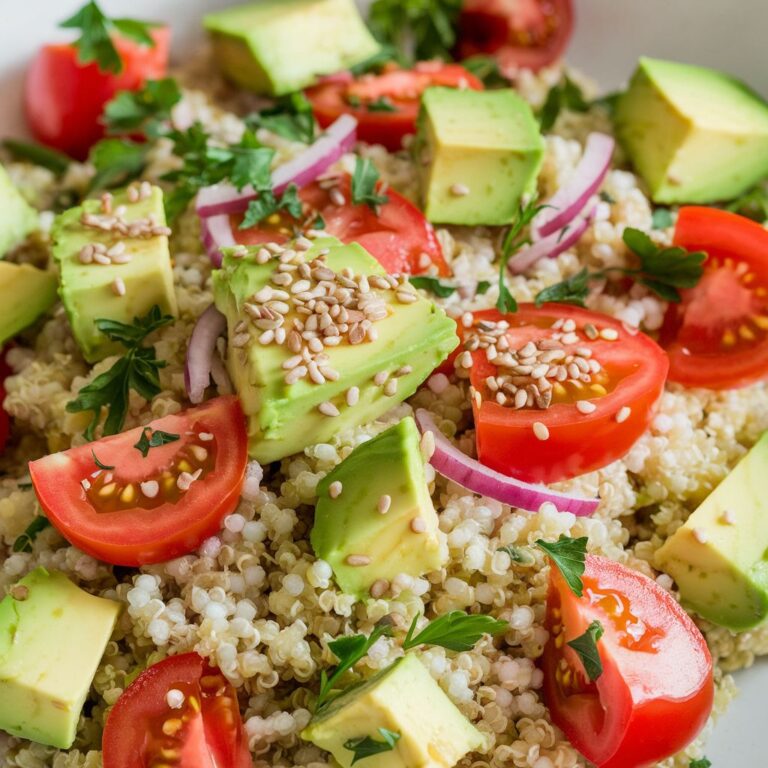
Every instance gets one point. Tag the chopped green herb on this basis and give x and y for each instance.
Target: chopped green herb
(519, 555)
(607, 197)
(146, 110)
(266, 204)
(382, 104)
(565, 95)
(574, 290)
(23, 543)
(23, 486)
(433, 285)
(117, 161)
(662, 218)
(702, 762)
(364, 181)
(153, 438)
(486, 68)
(482, 288)
(570, 557)
(291, 117)
(374, 63)
(45, 157)
(586, 647)
(456, 631)
(354, 101)
(608, 101)
(98, 463)
(319, 222)
(752, 204)
(367, 746)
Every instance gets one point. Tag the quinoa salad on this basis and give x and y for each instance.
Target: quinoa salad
(378, 390)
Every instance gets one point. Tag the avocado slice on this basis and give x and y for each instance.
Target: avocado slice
(386, 472)
(52, 638)
(719, 557)
(17, 217)
(694, 134)
(478, 153)
(26, 293)
(275, 47)
(405, 699)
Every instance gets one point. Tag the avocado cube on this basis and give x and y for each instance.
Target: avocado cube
(275, 47)
(406, 700)
(285, 416)
(385, 473)
(478, 153)
(17, 217)
(126, 287)
(26, 293)
(719, 557)
(52, 638)
(694, 134)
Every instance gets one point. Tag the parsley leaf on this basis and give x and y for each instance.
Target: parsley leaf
(570, 557)
(98, 463)
(367, 746)
(486, 68)
(662, 218)
(752, 204)
(382, 104)
(291, 117)
(146, 110)
(23, 543)
(117, 161)
(266, 204)
(482, 287)
(565, 95)
(574, 290)
(45, 157)
(456, 631)
(155, 439)
(586, 646)
(364, 181)
(374, 63)
(702, 762)
(520, 555)
(433, 285)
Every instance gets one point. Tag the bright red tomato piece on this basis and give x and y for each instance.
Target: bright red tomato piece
(717, 336)
(655, 692)
(386, 105)
(590, 398)
(205, 732)
(154, 508)
(64, 99)
(398, 236)
(520, 33)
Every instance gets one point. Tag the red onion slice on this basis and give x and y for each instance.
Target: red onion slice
(202, 347)
(216, 232)
(301, 170)
(450, 462)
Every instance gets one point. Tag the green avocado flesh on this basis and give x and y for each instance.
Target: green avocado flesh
(26, 293)
(406, 700)
(17, 217)
(275, 47)
(694, 134)
(351, 524)
(719, 558)
(478, 153)
(52, 638)
(284, 418)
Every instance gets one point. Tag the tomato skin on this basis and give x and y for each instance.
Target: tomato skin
(655, 693)
(213, 737)
(147, 534)
(64, 99)
(403, 88)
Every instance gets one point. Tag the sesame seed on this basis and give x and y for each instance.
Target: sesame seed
(267, 337)
(102, 258)
(86, 484)
(728, 517)
(328, 409)
(337, 198)
(459, 190)
(418, 525)
(175, 698)
(240, 340)
(609, 334)
(700, 535)
(427, 445)
(521, 399)
(206, 437)
(150, 488)
(467, 319)
(297, 373)
(379, 588)
(118, 286)
(465, 360)
(380, 378)
(335, 489)
(185, 479)
(385, 502)
(585, 406)
(569, 326)
(590, 331)
(623, 414)
(390, 388)
(357, 560)
(406, 297)
(540, 430)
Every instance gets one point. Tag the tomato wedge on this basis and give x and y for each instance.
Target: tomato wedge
(717, 336)
(559, 390)
(205, 731)
(398, 236)
(655, 692)
(386, 105)
(148, 509)
(64, 99)
(520, 33)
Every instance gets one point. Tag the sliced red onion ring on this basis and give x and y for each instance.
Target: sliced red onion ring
(571, 199)
(450, 462)
(301, 170)
(200, 352)
(216, 232)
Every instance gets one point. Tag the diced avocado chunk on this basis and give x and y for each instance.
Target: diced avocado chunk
(406, 700)
(26, 293)
(136, 280)
(52, 638)
(478, 153)
(719, 557)
(278, 46)
(283, 417)
(17, 217)
(385, 473)
(695, 135)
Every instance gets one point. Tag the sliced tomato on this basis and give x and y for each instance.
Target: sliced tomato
(206, 731)
(64, 99)
(397, 236)
(553, 439)
(146, 509)
(655, 692)
(386, 105)
(526, 34)
(717, 336)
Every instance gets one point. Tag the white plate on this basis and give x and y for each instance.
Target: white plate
(610, 35)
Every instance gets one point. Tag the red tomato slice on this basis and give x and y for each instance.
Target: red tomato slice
(717, 337)
(398, 237)
(546, 444)
(656, 691)
(400, 88)
(139, 512)
(205, 732)
(521, 33)
(64, 99)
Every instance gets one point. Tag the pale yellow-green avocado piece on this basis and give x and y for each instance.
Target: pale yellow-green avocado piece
(17, 217)
(695, 135)
(52, 638)
(478, 153)
(279, 46)
(405, 699)
(283, 419)
(719, 557)
(26, 293)
(87, 290)
(351, 524)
